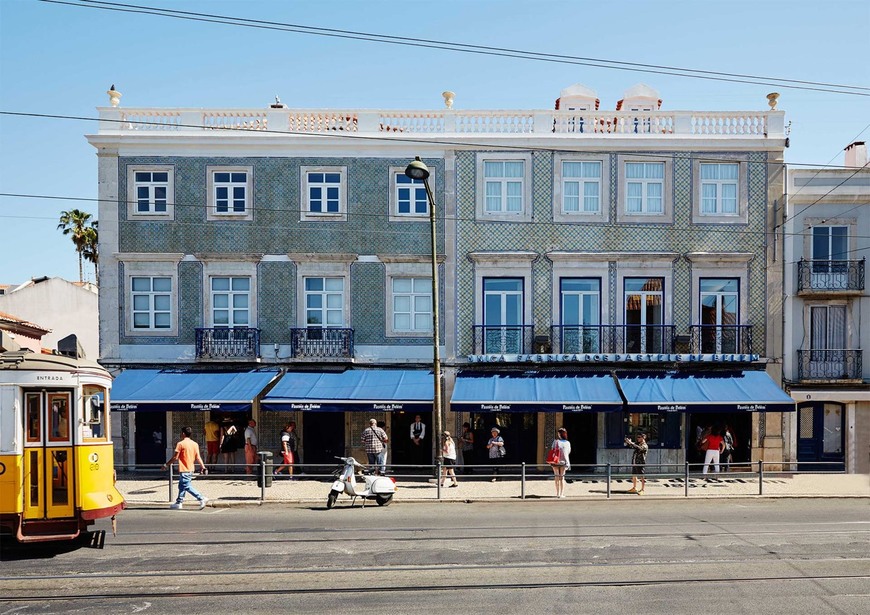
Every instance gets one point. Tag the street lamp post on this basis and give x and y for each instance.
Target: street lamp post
(418, 170)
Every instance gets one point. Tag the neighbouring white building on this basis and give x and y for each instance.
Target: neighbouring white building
(827, 313)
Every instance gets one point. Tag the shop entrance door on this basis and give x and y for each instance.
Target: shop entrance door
(820, 444)
(582, 434)
(519, 430)
(150, 438)
(403, 451)
(322, 439)
(49, 491)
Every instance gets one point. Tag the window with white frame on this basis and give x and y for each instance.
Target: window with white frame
(581, 187)
(324, 193)
(503, 185)
(152, 191)
(324, 302)
(580, 315)
(409, 196)
(719, 188)
(230, 193)
(412, 305)
(151, 303)
(644, 187)
(230, 301)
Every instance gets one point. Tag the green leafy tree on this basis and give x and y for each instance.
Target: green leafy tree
(91, 250)
(74, 223)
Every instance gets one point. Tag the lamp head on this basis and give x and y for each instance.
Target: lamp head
(417, 170)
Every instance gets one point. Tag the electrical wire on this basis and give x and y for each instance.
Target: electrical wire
(472, 49)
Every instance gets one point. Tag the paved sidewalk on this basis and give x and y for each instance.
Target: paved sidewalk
(225, 490)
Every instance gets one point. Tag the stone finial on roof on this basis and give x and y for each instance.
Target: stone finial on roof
(114, 96)
(772, 98)
(448, 98)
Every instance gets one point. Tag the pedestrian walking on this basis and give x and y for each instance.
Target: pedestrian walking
(730, 444)
(559, 459)
(382, 456)
(251, 447)
(638, 462)
(497, 451)
(467, 447)
(374, 439)
(448, 453)
(187, 455)
(287, 459)
(714, 444)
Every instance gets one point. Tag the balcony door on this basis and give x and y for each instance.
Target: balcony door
(644, 314)
(503, 315)
(581, 315)
(830, 257)
(720, 299)
(827, 341)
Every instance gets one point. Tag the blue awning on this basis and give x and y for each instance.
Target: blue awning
(369, 390)
(743, 391)
(183, 390)
(535, 392)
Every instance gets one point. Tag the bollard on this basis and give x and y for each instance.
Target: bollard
(608, 481)
(264, 477)
(170, 482)
(438, 479)
(523, 481)
(760, 477)
(686, 478)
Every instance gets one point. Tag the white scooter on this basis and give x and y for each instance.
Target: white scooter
(377, 488)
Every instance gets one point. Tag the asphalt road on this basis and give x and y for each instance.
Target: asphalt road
(652, 556)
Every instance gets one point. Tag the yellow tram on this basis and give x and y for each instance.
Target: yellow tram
(56, 462)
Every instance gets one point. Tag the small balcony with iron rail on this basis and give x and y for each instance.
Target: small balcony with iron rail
(227, 343)
(613, 339)
(503, 339)
(721, 339)
(831, 365)
(321, 343)
(830, 277)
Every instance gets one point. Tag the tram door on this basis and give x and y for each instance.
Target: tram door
(49, 489)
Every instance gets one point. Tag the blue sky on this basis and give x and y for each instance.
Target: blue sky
(57, 59)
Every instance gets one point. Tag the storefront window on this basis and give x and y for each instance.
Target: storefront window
(662, 429)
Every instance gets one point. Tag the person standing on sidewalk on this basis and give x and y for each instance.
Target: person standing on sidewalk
(638, 462)
(728, 450)
(286, 451)
(212, 442)
(563, 464)
(497, 451)
(187, 455)
(467, 441)
(374, 439)
(448, 452)
(382, 456)
(714, 443)
(250, 447)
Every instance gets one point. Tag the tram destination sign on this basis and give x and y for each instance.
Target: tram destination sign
(613, 358)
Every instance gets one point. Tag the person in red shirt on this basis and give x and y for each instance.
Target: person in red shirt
(715, 443)
(187, 455)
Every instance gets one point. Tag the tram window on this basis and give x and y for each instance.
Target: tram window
(94, 416)
(34, 431)
(58, 418)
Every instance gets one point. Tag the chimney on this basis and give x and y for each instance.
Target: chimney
(856, 155)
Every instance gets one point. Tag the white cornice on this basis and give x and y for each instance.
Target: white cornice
(315, 257)
(501, 257)
(598, 257)
(236, 257)
(149, 257)
(719, 257)
(408, 258)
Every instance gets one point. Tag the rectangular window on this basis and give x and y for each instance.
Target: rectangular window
(719, 188)
(644, 187)
(581, 187)
(662, 429)
(324, 302)
(503, 315)
(33, 417)
(827, 341)
(644, 315)
(720, 299)
(410, 197)
(230, 301)
(324, 193)
(230, 192)
(151, 303)
(503, 186)
(412, 304)
(152, 191)
(59, 417)
(581, 313)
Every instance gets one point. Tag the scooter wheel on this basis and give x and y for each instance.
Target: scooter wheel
(330, 499)
(383, 500)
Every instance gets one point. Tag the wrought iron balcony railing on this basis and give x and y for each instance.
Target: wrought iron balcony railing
(830, 276)
(227, 343)
(721, 339)
(503, 339)
(613, 339)
(321, 343)
(830, 364)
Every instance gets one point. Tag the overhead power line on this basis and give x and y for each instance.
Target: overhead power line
(471, 48)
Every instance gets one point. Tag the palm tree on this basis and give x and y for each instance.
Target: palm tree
(91, 250)
(74, 223)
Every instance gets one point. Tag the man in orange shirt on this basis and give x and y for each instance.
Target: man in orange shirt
(187, 454)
